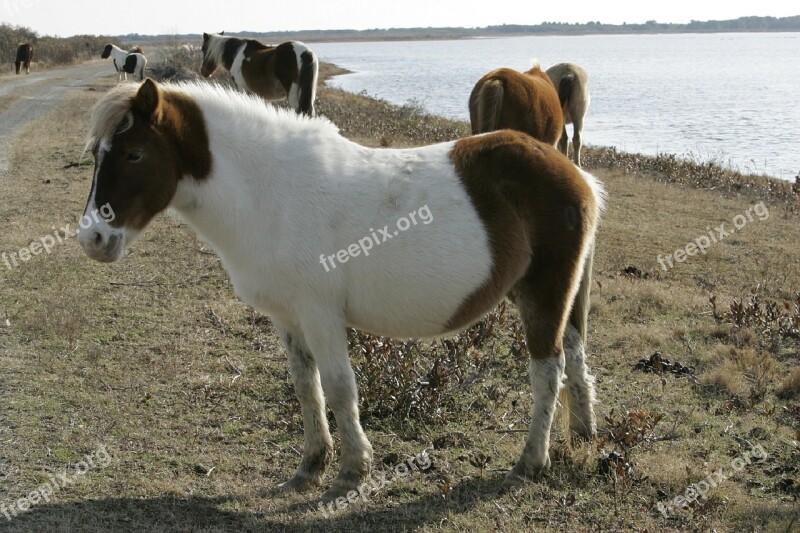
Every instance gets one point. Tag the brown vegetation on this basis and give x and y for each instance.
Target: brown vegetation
(188, 388)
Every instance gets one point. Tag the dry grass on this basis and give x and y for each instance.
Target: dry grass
(156, 359)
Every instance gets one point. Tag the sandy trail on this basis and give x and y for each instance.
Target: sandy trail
(37, 94)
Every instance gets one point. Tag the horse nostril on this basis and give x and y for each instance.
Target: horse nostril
(97, 239)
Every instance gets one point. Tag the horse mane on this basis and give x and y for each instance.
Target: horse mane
(112, 114)
(216, 47)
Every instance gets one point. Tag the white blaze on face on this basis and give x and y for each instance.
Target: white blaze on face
(97, 237)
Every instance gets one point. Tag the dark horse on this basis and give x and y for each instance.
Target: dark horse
(24, 57)
(289, 69)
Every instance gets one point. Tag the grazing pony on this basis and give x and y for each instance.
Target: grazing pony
(289, 69)
(291, 208)
(136, 50)
(572, 83)
(24, 57)
(505, 98)
(125, 62)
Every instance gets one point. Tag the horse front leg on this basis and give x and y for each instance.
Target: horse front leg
(318, 445)
(326, 336)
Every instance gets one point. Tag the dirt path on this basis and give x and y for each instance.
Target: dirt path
(35, 95)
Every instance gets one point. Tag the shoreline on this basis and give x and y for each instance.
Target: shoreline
(664, 167)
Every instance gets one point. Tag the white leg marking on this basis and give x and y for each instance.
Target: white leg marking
(580, 386)
(318, 446)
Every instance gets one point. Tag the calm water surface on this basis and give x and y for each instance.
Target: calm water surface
(730, 98)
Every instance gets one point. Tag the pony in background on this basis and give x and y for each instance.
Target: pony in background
(24, 58)
(289, 69)
(125, 62)
(572, 83)
(276, 195)
(528, 101)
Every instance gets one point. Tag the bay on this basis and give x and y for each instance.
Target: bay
(731, 98)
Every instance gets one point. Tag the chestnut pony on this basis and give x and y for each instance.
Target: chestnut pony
(273, 193)
(24, 58)
(572, 84)
(528, 101)
(289, 69)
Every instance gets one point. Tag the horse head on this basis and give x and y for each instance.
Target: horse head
(138, 164)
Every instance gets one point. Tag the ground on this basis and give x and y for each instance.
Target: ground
(147, 397)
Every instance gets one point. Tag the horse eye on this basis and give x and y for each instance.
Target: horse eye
(135, 157)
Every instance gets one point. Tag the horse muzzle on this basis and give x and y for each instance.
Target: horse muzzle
(104, 246)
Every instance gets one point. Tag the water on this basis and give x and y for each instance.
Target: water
(728, 98)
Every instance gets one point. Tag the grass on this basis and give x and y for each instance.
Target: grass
(188, 389)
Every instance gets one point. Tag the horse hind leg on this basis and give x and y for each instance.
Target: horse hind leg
(318, 445)
(579, 386)
(294, 97)
(543, 305)
(563, 141)
(577, 142)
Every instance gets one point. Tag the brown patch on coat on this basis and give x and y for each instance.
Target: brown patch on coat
(539, 215)
(269, 71)
(527, 102)
(166, 141)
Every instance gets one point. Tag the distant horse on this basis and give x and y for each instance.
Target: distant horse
(289, 69)
(24, 57)
(125, 62)
(136, 50)
(572, 83)
(505, 98)
(276, 195)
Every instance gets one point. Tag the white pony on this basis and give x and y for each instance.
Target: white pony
(321, 233)
(125, 62)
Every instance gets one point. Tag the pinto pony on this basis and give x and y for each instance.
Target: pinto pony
(24, 58)
(505, 98)
(125, 62)
(289, 69)
(572, 83)
(276, 195)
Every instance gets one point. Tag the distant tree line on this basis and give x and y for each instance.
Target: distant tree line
(744, 24)
(49, 50)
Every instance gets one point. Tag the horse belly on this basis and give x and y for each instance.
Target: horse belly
(413, 284)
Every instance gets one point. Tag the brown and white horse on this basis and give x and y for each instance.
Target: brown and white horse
(291, 208)
(125, 62)
(505, 98)
(24, 58)
(289, 69)
(572, 83)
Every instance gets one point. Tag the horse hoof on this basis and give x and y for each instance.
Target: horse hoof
(299, 484)
(520, 475)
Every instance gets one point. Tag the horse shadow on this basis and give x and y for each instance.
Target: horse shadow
(168, 513)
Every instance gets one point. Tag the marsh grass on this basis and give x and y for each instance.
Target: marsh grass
(188, 388)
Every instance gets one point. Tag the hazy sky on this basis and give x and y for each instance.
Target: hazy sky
(71, 17)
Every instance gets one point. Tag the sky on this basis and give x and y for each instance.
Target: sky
(149, 17)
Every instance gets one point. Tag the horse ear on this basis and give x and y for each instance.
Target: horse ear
(205, 36)
(222, 32)
(148, 99)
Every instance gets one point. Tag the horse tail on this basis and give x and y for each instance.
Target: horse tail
(307, 82)
(565, 88)
(490, 102)
(579, 316)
